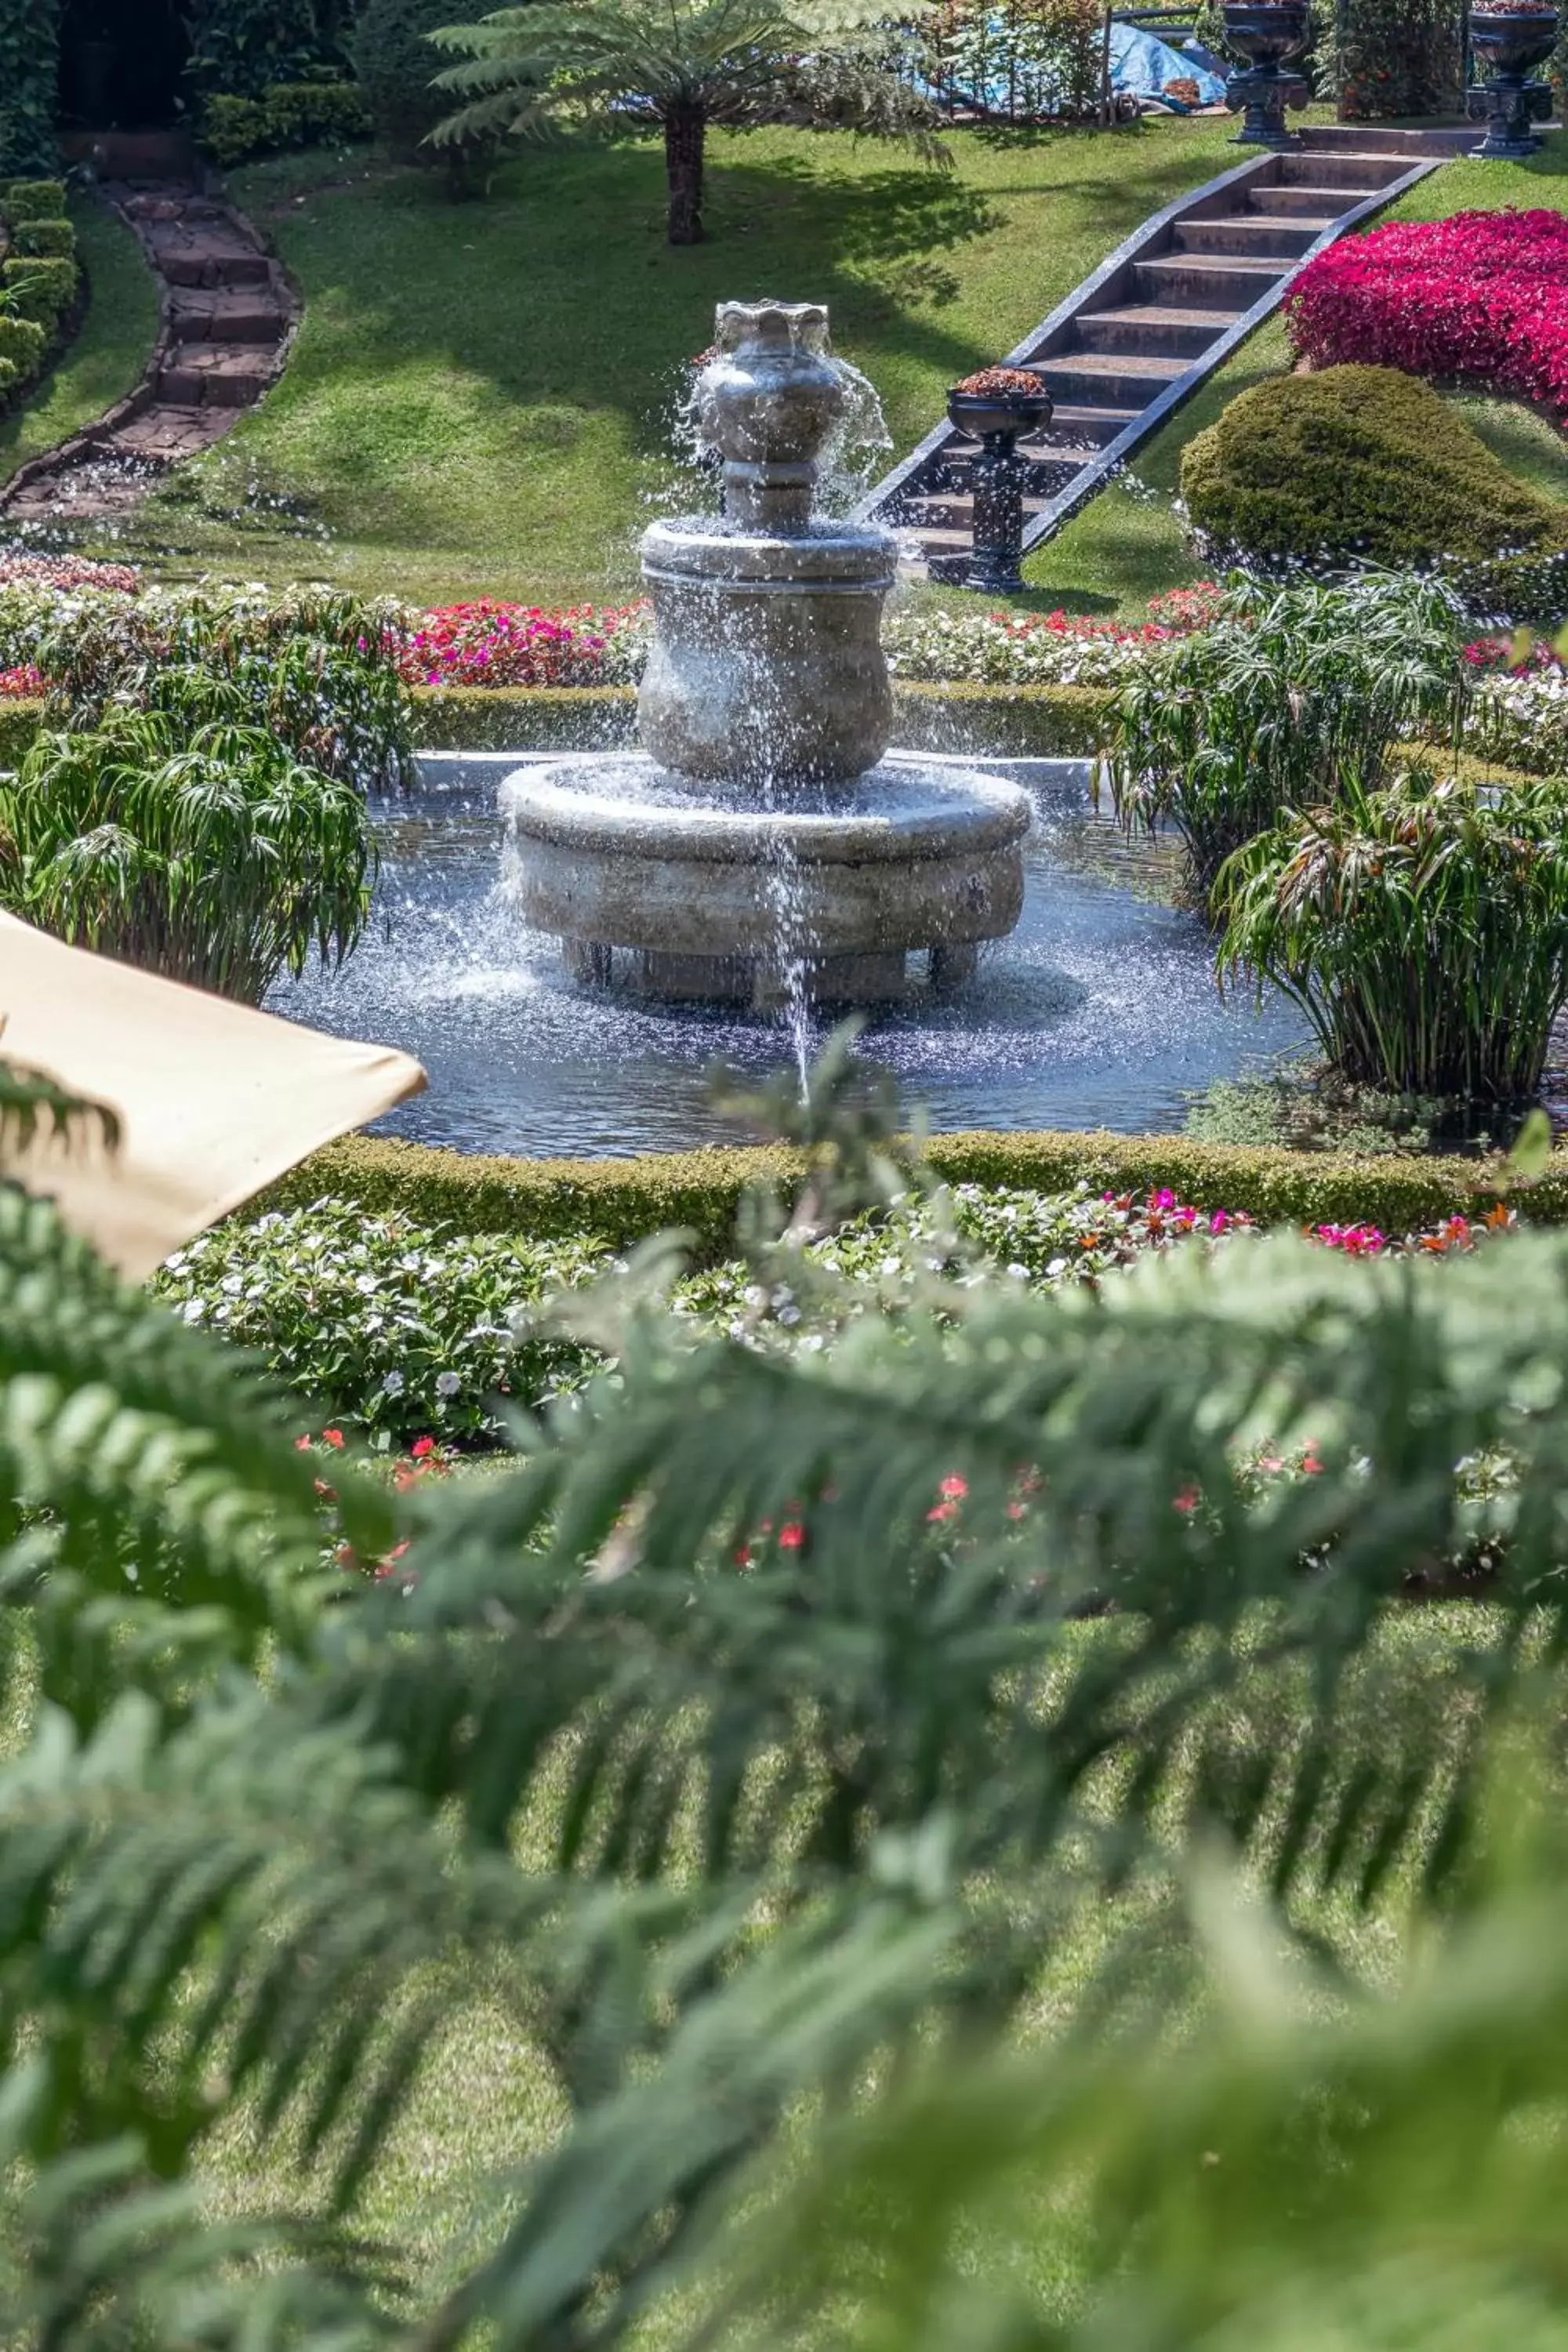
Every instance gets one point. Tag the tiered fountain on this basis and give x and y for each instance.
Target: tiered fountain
(760, 847)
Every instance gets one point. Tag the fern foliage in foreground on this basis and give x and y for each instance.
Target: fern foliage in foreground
(766, 1743)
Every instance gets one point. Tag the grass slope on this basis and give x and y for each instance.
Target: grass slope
(107, 355)
(1128, 546)
(481, 397)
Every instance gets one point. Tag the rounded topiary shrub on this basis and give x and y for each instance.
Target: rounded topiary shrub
(1366, 466)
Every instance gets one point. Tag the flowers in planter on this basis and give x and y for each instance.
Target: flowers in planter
(1481, 298)
(1002, 383)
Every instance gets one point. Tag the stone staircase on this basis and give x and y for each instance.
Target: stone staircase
(1141, 335)
(226, 319)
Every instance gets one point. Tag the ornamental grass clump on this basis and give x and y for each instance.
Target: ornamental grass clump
(215, 857)
(1423, 931)
(1293, 697)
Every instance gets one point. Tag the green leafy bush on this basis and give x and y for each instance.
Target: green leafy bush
(211, 856)
(39, 288)
(1423, 931)
(43, 238)
(23, 342)
(1292, 696)
(313, 667)
(290, 114)
(247, 45)
(395, 64)
(1364, 465)
(29, 77)
(32, 199)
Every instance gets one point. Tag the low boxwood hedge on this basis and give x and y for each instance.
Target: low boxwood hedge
(619, 1201)
(1017, 721)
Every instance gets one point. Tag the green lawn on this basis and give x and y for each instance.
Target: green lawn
(107, 355)
(481, 397)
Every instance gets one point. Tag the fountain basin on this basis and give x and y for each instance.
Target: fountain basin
(643, 879)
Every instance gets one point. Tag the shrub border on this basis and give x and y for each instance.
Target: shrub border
(1018, 722)
(620, 1202)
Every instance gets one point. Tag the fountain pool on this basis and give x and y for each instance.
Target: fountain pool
(1099, 1011)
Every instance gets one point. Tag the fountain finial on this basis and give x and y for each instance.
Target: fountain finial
(767, 403)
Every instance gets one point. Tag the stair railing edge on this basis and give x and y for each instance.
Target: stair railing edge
(1090, 479)
(1129, 250)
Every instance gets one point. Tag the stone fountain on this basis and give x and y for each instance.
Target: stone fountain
(762, 847)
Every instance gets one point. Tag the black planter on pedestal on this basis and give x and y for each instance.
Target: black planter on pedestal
(1265, 33)
(1511, 43)
(999, 477)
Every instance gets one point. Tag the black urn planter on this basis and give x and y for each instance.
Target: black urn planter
(1267, 34)
(999, 477)
(1511, 43)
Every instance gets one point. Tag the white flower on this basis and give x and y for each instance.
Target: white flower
(393, 1385)
(194, 1310)
(789, 1315)
(1057, 1265)
(233, 1283)
(366, 1282)
(448, 1384)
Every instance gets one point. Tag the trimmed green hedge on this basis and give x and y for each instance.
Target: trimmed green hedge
(39, 289)
(19, 722)
(619, 1201)
(523, 717)
(32, 200)
(1019, 721)
(53, 240)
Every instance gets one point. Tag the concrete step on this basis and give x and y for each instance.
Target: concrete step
(1285, 240)
(1075, 427)
(1321, 206)
(1362, 138)
(213, 375)
(1312, 168)
(1120, 380)
(1165, 330)
(952, 513)
(217, 314)
(1216, 280)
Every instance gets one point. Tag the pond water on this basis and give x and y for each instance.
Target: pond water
(1100, 1010)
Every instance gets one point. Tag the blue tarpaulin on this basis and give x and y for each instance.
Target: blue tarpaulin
(1143, 64)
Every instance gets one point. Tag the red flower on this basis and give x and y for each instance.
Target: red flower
(421, 1447)
(334, 1438)
(792, 1536)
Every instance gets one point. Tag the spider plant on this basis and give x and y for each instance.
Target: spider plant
(1423, 931)
(215, 857)
(1293, 697)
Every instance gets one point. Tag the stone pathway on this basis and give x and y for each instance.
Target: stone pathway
(227, 315)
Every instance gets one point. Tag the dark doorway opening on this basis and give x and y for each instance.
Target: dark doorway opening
(122, 64)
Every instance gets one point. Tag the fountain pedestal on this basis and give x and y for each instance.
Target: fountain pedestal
(763, 847)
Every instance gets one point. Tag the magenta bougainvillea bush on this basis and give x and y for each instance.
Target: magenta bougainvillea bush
(1481, 299)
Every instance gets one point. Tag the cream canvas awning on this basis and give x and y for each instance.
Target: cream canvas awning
(214, 1098)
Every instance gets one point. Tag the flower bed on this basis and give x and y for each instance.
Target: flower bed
(405, 1331)
(1481, 298)
(491, 643)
